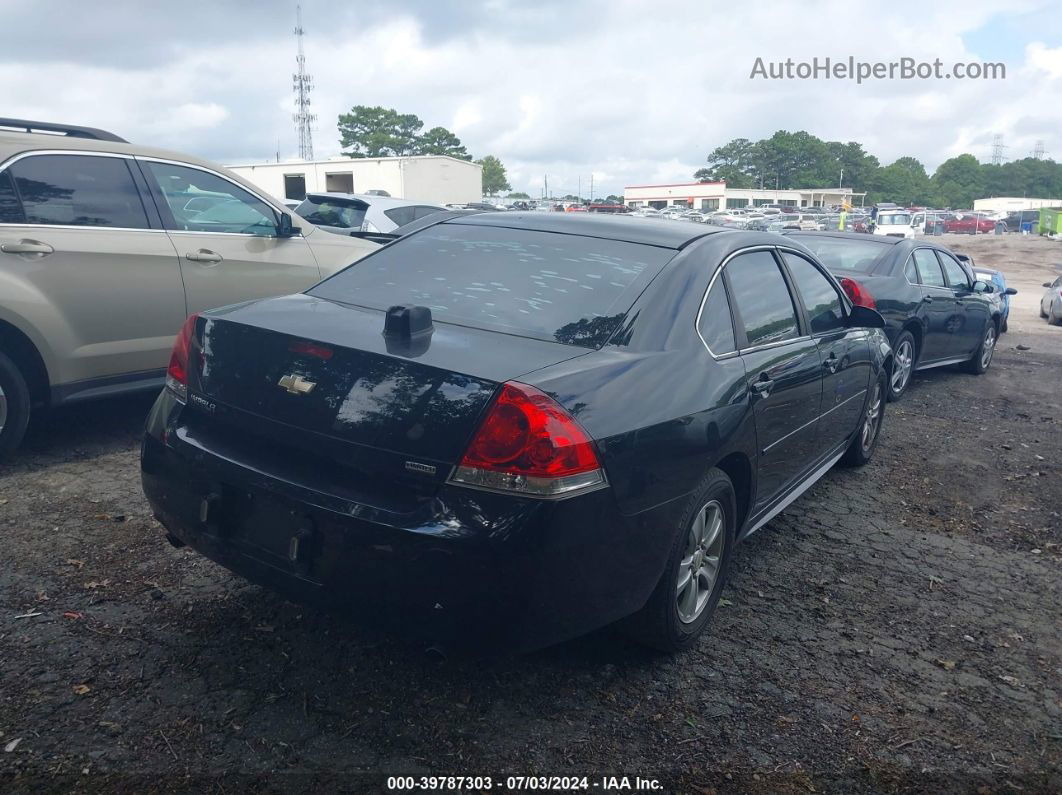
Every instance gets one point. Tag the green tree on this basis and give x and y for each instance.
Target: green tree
(494, 178)
(853, 166)
(731, 163)
(440, 141)
(904, 182)
(614, 199)
(959, 180)
(378, 132)
(518, 195)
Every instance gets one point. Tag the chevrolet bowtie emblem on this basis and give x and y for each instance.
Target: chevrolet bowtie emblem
(296, 384)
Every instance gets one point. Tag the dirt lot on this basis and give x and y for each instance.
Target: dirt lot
(896, 629)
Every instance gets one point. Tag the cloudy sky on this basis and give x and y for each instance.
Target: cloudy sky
(633, 92)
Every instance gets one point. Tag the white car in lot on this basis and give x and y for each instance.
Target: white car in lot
(344, 213)
(1051, 303)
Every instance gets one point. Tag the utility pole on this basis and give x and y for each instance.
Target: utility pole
(840, 182)
(302, 84)
(545, 186)
(591, 186)
(579, 194)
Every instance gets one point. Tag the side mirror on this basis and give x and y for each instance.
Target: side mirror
(1010, 291)
(286, 228)
(1047, 284)
(863, 317)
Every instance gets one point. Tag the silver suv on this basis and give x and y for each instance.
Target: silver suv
(105, 248)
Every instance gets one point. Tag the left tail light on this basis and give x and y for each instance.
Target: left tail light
(858, 293)
(177, 372)
(529, 444)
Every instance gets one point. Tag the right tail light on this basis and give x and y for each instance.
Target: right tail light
(177, 372)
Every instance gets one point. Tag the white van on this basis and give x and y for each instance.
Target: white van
(894, 223)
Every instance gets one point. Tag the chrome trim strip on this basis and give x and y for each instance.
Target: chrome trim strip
(853, 397)
(942, 363)
(809, 422)
(83, 228)
(73, 152)
(808, 482)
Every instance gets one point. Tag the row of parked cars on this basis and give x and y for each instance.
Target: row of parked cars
(537, 424)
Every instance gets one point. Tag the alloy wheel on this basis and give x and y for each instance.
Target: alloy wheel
(901, 369)
(989, 347)
(699, 567)
(873, 418)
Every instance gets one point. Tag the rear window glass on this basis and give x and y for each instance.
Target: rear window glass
(564, 288)
(326, 212)
(846, 253)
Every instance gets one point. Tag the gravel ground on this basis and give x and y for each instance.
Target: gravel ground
(896, 629)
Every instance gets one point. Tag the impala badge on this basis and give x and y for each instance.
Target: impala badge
(296, 384)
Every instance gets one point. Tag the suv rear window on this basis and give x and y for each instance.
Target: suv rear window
(557, 287)
(322, 211)
(845, 253)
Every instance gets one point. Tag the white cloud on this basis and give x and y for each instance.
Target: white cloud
(630, 91)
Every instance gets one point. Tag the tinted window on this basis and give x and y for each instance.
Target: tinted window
(845, 253)
(715, 324)
(567, 288)
(10, 208)
(928, 268)
(322, 211)
(422, 210)
(956, 275)
(762, 298)
(79, 190)
(821, 300)
(203, 202)
(400, 215)
(909, 271)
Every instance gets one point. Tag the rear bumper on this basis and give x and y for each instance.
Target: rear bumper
(470, 567)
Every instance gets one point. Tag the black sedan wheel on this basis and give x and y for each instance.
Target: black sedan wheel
(696, 571)
(982, 357)
(866, 439)
(903, 365)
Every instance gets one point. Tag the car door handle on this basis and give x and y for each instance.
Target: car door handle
(26, 247)
(203, 255)
(928, 299)
(764, 385)
(832, 363)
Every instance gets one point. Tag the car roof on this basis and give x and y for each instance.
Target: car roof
(667, 234)
(372, 198)
(893, 241)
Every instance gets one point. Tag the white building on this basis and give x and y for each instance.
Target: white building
(439, 179)
(717, 196)
(1008, 204)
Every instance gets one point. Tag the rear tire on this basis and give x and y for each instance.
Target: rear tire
(862, 447)
(1003, 328)
(674, 618)
(1042, 312)
(904, 360)
(14, 406)
(982, 357)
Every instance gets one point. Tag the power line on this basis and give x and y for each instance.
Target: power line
(302, 84)
(997, 149)
(1038, 152)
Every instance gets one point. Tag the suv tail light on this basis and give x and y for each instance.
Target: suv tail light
(528, 444)
(177, 373)
(859, 295)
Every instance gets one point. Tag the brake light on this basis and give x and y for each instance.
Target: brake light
(311, 349)
(859, 295)
(177, 373)
(528, 444)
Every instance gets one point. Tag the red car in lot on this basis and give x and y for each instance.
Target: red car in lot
(970, 225)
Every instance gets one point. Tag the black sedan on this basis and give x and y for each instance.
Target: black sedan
(936, 312)
(517, 427)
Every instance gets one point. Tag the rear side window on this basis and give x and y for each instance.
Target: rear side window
(928, 267)
(79, 190)
(10, 207)
(956, 275)
(909, 272)
(762, 298)
(715, 324)
(400, 215)
(846, 253)
(564, 288)
(821, 300)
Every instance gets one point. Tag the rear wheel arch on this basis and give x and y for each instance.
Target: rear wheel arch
(21, 350)
(917, 331)
(738, 468)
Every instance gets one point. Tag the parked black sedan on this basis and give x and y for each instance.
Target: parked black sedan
(517, 426)
(936, 312)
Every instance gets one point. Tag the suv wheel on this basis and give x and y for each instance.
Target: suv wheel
(14, 406)
(696, 570)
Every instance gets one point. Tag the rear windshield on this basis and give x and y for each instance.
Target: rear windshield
(564, 288)
(322, 211)
(846, 253)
